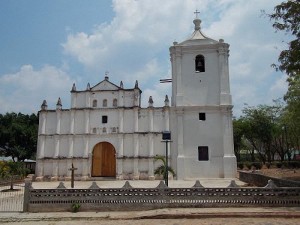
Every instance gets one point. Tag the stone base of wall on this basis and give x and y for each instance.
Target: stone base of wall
(260, 180)
(129, 176)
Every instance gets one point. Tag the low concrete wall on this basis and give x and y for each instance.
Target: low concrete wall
(260, 180)
(128, 198)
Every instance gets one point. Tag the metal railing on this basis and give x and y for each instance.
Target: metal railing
(11, 200)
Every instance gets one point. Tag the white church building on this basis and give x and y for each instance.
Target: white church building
(106, 132)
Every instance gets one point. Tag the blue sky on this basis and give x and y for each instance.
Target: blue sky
(46, 46)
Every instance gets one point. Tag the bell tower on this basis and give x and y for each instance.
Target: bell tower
(202, 108)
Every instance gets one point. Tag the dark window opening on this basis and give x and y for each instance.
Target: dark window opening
(202, 153)
(115, 103)
(104, 103)
(200, 63)
(104, 119)
(94, 103)
(202, 116)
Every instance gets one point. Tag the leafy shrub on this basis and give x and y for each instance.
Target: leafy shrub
(75, 207)
(278, 164)
(284, 165)
(294, 164)
(257, 165)
(240, 165)
(248, 165)
(160, 171)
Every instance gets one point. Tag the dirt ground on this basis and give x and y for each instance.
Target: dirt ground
(183, 221)
(288, 174)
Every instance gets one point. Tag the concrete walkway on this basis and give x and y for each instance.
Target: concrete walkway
(178, 213)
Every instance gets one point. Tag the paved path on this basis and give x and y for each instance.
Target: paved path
(191, 216)
(139, 183)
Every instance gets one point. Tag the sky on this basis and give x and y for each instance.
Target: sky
(46, 46)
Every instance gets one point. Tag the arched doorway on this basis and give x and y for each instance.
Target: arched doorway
(104, 160)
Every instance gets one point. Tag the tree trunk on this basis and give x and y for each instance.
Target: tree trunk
(11, 183)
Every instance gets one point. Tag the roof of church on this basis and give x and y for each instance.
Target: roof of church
(198, 37)
(106, 85)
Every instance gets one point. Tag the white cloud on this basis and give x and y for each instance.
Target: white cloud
(279, 87)
(158, 93)
(139, 31)
(253, 48)
(25, 90)
(134, 46)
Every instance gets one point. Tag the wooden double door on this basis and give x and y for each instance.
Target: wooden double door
(104, 160)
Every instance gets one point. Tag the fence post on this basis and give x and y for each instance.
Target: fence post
(26, 194)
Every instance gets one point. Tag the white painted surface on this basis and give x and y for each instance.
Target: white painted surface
(68, 136)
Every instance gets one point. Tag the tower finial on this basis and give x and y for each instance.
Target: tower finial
(136, 84)
(197, 21)
(44, 106)
(197, 12)
(167, 100)
(74, 87)
(150, 102)
(58, 104)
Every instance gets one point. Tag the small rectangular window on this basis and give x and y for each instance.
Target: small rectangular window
(202, 116)
(203, 153)
(104, 119)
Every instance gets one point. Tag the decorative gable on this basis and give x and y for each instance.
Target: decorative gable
(105, 85)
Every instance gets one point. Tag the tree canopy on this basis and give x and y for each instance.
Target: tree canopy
(286, 18)
(267, 131)
(11, 171)
(18, 135)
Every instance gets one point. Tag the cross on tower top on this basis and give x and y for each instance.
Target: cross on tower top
(197, 12)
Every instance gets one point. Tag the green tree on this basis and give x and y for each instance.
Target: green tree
(161, 170)
(267, 130)
(11, 171)
(238, 133)
(260, 129)
(18, 135)
(286, 18)
(291, 128)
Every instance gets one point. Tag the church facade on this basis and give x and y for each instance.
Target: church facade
(106, 132)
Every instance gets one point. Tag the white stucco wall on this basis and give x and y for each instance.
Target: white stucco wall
(69, 136)
(200, 88)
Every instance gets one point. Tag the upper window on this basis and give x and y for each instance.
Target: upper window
(115, 102)
(104, 103)
(202, 116)
(203, 153)
(94, 103)
(104, 119)
(199, 63)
